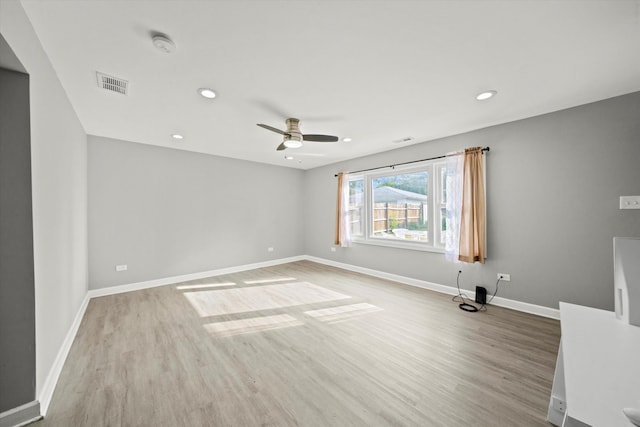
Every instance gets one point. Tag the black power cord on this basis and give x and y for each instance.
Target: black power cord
(466, 306)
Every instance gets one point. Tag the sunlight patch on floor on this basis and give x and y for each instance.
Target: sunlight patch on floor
(252, 325)
(241, 300)
(203, 286)
(342, 312)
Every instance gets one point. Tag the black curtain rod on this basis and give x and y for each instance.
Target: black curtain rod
(408, 163)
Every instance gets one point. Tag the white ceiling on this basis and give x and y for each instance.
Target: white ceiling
(375, 71)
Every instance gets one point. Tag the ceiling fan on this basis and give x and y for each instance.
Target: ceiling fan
(293, 137)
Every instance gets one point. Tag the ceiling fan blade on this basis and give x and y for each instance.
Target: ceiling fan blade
(320, 138)
(281, 147)
(272, 129)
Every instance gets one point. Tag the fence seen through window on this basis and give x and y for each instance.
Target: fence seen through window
(399, 206)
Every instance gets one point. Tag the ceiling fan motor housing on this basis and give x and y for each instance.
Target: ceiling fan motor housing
(293, 127)
(293, 137)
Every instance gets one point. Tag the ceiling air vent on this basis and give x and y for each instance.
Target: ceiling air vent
(402, 140)
(113, 84)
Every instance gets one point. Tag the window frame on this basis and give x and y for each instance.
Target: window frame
(434, 203)
(440, 169)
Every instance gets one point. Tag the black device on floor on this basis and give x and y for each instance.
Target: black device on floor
(481, 295)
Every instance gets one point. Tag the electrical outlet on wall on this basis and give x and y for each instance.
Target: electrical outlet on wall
(505, 277)
(121, 267)
(558, 404)
(269, 249)
(629, 202)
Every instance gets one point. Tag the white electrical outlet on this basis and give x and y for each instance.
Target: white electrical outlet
(504, 277)
(269, 249)
(121, 267)
(333, 249)
(629, 202)
(558, 404)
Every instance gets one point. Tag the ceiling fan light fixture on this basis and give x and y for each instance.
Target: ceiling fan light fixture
(293, 141)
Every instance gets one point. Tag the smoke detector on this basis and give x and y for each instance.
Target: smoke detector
(163, 43)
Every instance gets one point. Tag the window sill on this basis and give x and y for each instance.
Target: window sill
(399, 244)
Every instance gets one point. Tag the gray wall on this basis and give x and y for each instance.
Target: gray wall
(165, 212)
(17, 300)
(59, 194)
(553, 185)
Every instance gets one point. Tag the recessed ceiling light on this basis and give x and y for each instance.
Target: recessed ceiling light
(177, 136)
(486, 95)
(347, 139)
(163, 43)
(207, 93)
(288, 157)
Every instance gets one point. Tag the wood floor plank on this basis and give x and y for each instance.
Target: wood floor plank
(303, 344)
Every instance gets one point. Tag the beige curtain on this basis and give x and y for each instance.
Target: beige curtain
(472, 219)
(339, 210)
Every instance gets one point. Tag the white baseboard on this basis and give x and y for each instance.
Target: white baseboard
(525, 307)
(54, 373)
(502, 302)
(94, 293)
(384, 275)
(21, 416)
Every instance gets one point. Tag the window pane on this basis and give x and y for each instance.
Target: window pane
(399, 208)
(356, 205)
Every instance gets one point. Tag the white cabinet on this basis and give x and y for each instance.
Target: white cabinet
(598, 369)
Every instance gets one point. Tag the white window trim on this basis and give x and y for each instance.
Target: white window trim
(433, 202)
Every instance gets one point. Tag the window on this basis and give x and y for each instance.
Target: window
(404, 207)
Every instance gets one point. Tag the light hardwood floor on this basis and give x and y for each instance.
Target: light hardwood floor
(303, 344)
